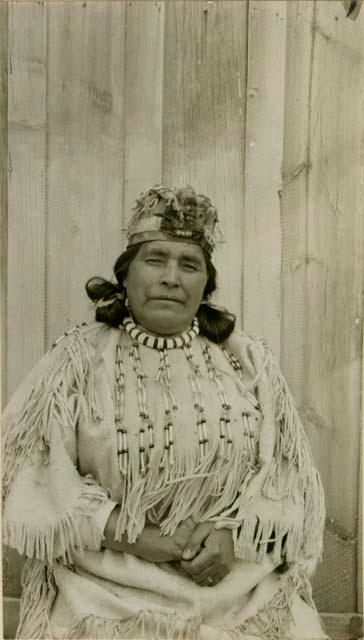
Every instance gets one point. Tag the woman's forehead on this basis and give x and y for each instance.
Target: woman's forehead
(172, 249)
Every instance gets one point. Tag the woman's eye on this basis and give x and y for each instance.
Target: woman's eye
(154, 261)
(190, 267)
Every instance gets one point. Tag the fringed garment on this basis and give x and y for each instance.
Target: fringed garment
(203, 430)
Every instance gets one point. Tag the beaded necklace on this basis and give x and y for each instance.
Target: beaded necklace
(153, 342)
(163, 345)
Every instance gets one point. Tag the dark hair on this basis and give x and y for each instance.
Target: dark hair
(215, 324)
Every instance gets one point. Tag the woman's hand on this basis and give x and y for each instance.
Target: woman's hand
(150, 544)
(211, 553)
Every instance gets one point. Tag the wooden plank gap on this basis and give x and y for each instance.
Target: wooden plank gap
(360, 578)
(47, 338)
(144, 99)
(4, 64)
(263, 161)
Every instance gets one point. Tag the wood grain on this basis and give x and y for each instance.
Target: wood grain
(322, 269)
(26, 189)
(360, 576)
(203, 120)
(4, 16)
(263, 160)
(26, 208)
(335, 259)
(335, 268)
(85, 153)
(294, 199)
(143, 109)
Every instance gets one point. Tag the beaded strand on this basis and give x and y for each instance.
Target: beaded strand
(119, 388)
(198, 403)
(235, 363)
(225, 418)
(146, 421)
(251, 437)
(170, 407)
(67, 333)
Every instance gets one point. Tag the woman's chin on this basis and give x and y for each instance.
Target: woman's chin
(164, 324)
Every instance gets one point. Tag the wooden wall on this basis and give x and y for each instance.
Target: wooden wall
(257, 103)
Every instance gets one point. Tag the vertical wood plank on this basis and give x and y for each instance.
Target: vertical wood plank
(335, 269)
(4, 187)
(295, 169)
(26, 189)
(335, 255)
(263, 159)
(26, 208)
(360, 559)
(203, 119)
(85, 170)
(143, 109)
(4, 16)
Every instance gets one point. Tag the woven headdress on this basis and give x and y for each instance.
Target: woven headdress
(164, 213)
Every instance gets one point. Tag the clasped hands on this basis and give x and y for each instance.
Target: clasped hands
(207, 553)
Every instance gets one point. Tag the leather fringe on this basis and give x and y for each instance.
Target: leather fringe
(38, 595)
(27, 434)
(147, 625)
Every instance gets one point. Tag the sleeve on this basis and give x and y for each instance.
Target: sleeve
(281, 504)
(50, 510)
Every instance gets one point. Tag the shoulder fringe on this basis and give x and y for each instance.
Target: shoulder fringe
(282, 442)
(38, 595)
(28, 431)
(62, 538)
(292, 445)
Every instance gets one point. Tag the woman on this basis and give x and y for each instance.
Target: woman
(156, 474)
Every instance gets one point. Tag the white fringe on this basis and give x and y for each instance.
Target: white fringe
(282, 443)
(64, 391)
(274, 620)
(38, 595)
(147, 625)
(218, 490)
(62, 538)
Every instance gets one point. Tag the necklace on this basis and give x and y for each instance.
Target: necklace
(160, 344)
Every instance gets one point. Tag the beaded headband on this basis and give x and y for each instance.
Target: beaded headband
(164, 213)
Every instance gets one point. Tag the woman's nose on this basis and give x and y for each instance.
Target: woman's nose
(170, 275)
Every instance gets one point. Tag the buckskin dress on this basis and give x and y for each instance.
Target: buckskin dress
(201, 429)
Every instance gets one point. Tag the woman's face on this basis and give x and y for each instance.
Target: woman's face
(165, 285)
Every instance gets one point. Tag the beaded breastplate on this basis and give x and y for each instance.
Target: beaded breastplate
(146, 438)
